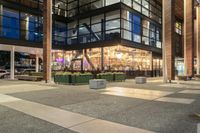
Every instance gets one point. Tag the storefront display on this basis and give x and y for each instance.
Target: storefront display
(115, 58)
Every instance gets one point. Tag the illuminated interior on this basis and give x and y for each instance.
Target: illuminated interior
(115, 58)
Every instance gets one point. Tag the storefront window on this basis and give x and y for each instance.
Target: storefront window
(116, 58)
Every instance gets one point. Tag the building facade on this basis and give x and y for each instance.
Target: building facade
(103, 34)
(107, 35)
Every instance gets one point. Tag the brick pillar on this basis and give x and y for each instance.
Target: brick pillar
(168, 40)
(47, 39)
(198, 38)
(189, 37)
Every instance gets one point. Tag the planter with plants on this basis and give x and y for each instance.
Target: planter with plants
(62, 78)
(107, 76)
(81, 78)
(119, 76)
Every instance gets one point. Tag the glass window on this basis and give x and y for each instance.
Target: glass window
(110, 2)
(29, 27)
(136, 29)
(113, 15)
(178, 28)
(136, 6)
(10, 24)
(127, 2)
(145, 4)
(59, 33)
(113, 24)
(152, 34)
(126, 35)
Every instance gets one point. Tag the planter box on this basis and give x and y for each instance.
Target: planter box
(120, 77)
(81, 79)
(62, 79)
(107, 77)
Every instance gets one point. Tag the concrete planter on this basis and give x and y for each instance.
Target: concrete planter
(140, 80)
(98, 84)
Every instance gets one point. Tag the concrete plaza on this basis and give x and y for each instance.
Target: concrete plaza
(28, 107)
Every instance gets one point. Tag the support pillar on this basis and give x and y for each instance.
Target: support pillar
(47, 39)
(37, 64)
(168, 40)
(64, 62)
(102, 59)
(151, 64)
(12, 63)
(189, 37)
(1, 20)
(198, 38)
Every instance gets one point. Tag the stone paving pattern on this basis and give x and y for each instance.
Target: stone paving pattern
(155, 116)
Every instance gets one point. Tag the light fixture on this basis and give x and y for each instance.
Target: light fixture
(119, 55)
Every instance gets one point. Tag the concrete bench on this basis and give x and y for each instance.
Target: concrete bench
(97, 83)
(140, 80)
(29, 78)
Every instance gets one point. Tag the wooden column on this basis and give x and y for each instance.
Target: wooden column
(102, 59)
(47, 39)
(168, 40)
(198, 38)
(189, 37)
(1, 18)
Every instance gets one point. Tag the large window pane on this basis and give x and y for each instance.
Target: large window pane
(10, 23)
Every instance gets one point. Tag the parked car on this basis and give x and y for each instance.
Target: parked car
(3, 73)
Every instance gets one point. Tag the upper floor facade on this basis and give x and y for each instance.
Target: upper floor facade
(84, 23)
(72, 8)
